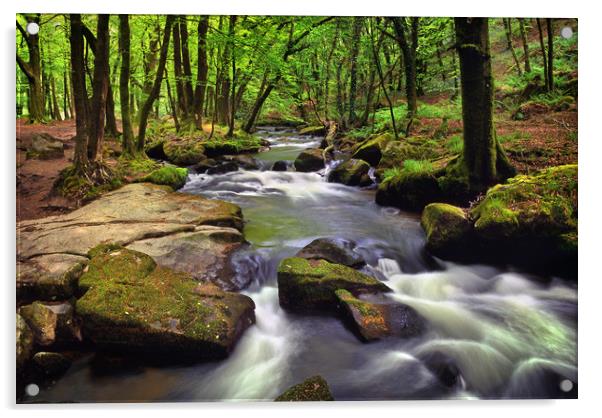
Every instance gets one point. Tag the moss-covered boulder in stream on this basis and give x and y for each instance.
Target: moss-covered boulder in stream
(313, 389)
(373, 321)
(24, 339)
(351, 173)
(372, 149)
(175, 177)
(311, 159)
(313, 130)
(396, 152)
(409, 189)
(184, 152)
(310, 285)
(338, 251)
(447, 229)
(130, 304)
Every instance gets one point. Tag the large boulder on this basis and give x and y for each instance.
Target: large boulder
(184, 152)
(311, 159)
(313, 389)
(351, 173)
(335, 251)
(310, 285)
(409, 190)
(372, 149)
(374, 321)
(280, 165)
(52, 323)
(447, 229)
(25, 341)
(396, 152)
(174, 177)
(53, 251)
(246, 162)
(130, 304)
(45, 147)
(51, 364)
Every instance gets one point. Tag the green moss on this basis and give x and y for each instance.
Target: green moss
(184, 152)
(85, 188)
(313, 130)
(371, 150)
(241, 142)
(447, 228)
(313, 389)
(364, 308)
(175, 177)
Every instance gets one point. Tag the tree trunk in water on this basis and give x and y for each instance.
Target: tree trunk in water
(80, 96)
(154, 93)
(124, 85)
(543, 54)
(33, 72)
(508, 28)
(523, 35)
(355, 49)
(100, 88)
(201, 79)
(550, 55)
(483, 159)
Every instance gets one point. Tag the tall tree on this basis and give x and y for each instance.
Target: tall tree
(407, 39)
(550, 54)
(355, 49)
(543, 54)
(33, 71)
(124, 85)
(508, 30)
(80, 96)
(523, 36)
(483, 160)
(202, 70)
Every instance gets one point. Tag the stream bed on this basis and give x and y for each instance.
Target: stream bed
(512, 335)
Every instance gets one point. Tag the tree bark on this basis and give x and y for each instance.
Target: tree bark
(202, 69)
(482, 158)
(80, 96)
(355, 49)
(33, 71)
(231, 33)
(543, 54)
(154, 93)
(508, 29)
(523, 35)
(408, 50)
(55, 101)
(550, 54)
(124, 85)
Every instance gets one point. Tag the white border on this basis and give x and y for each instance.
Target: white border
(590, 150)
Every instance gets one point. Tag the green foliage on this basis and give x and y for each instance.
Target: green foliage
(418, 167)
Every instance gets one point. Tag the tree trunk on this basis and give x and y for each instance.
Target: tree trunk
(80, 96)
(55, 101)
(483, 159)
(523, 35)
(231, 34)
(550, 54)
(188, 92)
(355, 49)
(202, 69)
(100, 88)
(124, 85)
(508, 28)
(66, 98)
(543, 54)
(33, 71)
(408, 50)
(177, 68)
(156, 89)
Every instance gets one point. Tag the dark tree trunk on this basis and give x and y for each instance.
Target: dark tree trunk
(66, 98)
(231, 33)
(335, 40)
(124, 85)
(550, 54)
(483, 159)
(408, 50)
(111, 120)
(523, 36)
(80, 96)
(156, 89)
(100, 88)
(508, 29)
(177, 68)
(55, 101)
(355, 49)
(543, 54)
(201, 78)
(188, 92)
(33, 71)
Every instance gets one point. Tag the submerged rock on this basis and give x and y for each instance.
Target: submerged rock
(24, 340)
(447, 229)
(52, 251)
(280, 166)
(45, 147)
(372, 149)
(332, 250)
(374, 321)
(310, 285)
(313, 389)
(132, 305)
(51, 364)
(222, 167)
(245, 162)
(174, 177)
(443, 367)
(311, 159)
(351, 173)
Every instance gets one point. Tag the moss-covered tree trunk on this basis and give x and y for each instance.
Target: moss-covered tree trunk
(483, 161)
(124, 84)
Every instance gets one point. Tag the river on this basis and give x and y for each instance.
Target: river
(512, 335)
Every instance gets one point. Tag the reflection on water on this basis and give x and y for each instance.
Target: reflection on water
(509, 335)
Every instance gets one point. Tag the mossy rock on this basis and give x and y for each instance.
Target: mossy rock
(239, 143)
(52, 323)
(310, 285)
(374, 321)
(131, 305)
(311, 159)
(396, 152)
(313, 389)
(154, 149)
(448, 229)
(351, 173)
(372, 149)
(184, 152)
(45, 147)
(409, 191)
(24, 339)
(175, 177)
(51, 364)
(336, 251)
(313, 130)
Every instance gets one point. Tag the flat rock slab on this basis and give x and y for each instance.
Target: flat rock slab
(51, 251)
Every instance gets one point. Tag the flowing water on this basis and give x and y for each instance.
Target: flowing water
(511, 335)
